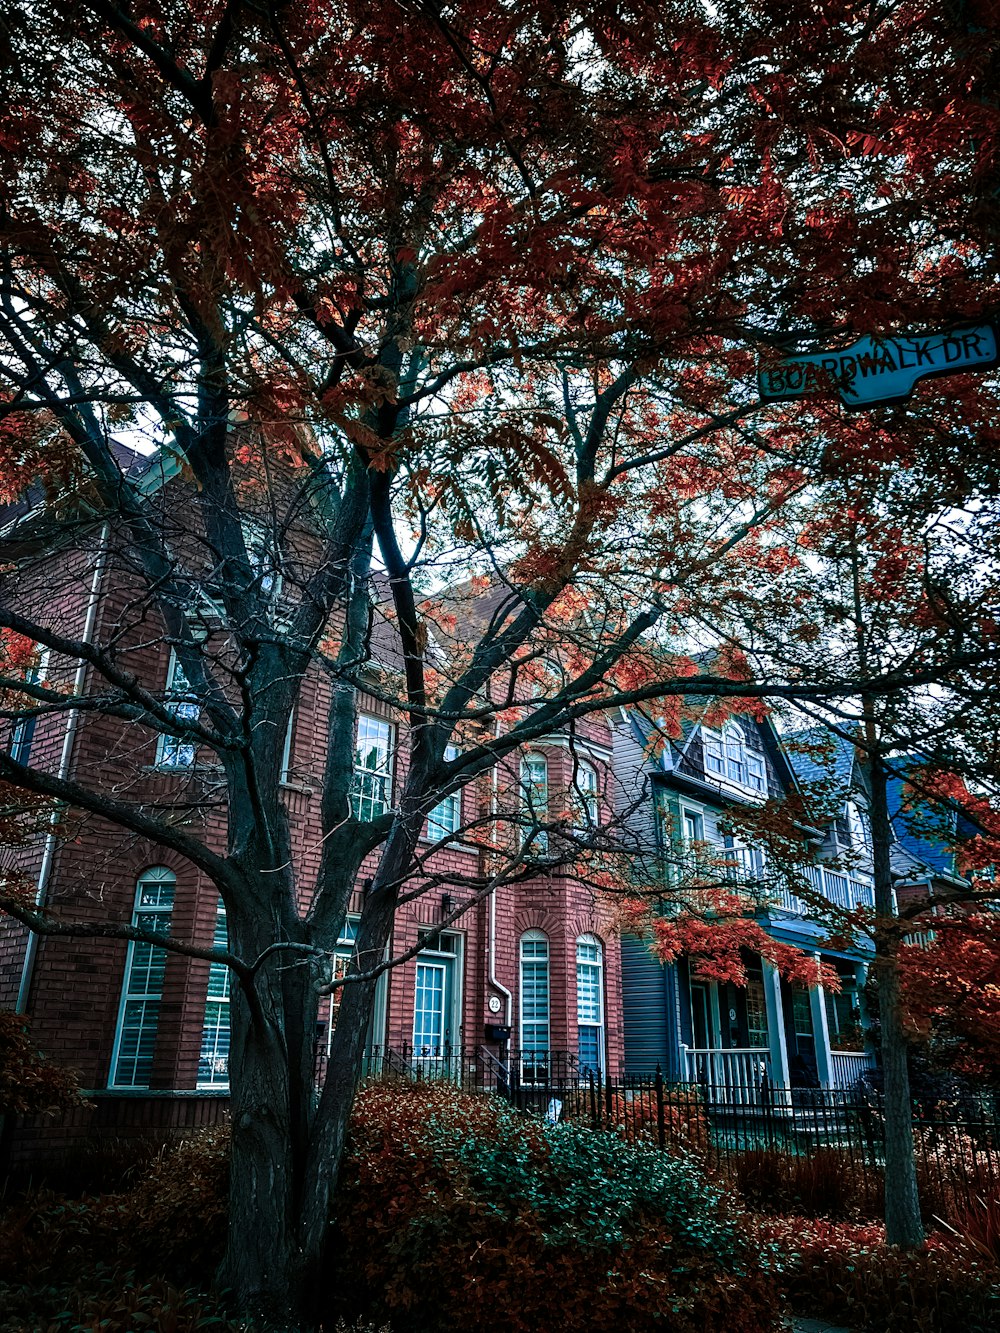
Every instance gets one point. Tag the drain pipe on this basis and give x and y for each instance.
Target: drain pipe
(492, 927)
(65, 759)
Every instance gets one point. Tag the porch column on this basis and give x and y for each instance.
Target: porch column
(860, 980)
(821, 1034)
(775, 1024)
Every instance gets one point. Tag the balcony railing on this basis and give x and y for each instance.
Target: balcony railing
(843, 890)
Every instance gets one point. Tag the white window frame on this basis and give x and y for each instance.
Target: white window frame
(713, 749)
(860, 826)
(586, 798)
(264, 557)
(727, 757)
(534, 956)
(215, 1033)
(366, 804)
(446, 817)
(535, 796)
(142, 982)
(590, 984)
(697, 819)
(756, 780)
(287, 748)
(342, 955)
(172, 752)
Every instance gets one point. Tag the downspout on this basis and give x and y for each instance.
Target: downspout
(492, 921)
(65, 759)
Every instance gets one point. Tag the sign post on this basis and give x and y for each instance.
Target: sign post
(878, 370)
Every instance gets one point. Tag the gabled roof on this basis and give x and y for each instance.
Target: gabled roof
(828, 758)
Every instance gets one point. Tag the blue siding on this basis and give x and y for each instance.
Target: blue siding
(649, 1010)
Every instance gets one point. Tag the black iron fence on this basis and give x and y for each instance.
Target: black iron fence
(817, 1149)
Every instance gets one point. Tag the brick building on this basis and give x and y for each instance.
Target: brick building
(147, 1030)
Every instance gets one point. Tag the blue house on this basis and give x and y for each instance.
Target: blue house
(678, 797)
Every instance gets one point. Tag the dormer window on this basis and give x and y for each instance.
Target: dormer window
(860, 826)
(727, 756)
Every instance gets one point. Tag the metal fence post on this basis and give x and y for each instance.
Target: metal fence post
(661, 1123)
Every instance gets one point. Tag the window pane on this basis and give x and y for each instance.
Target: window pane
(142, 988)
(172, 751)
(535, 788)
(534, 994)
(372, 785)
(446, 817)
(213, 1065)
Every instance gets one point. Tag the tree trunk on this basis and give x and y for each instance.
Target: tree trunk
(271, 1077)
(902, 1201)
(258, 1263)
(329, 1132)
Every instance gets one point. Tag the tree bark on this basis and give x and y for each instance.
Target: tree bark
(903, 1225)
(258, 1262)
(329, 1131)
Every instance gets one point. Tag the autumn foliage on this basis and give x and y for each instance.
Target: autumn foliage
(951, 994)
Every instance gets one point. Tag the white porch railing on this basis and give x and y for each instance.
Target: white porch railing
(734, 1076)
(846, 1067)
(844, 890)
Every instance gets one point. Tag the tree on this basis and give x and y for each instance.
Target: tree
(479, 285)
(886, 579)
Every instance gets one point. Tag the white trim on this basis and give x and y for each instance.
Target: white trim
(152, 875)
(535, 936)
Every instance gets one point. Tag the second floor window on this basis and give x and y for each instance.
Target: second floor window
(446, 817)
(371, 790)
(727, 756)
(535, 790)
(175, 751)
(585, 794)
(23, 732)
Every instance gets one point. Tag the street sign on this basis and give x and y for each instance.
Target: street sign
(878, 370)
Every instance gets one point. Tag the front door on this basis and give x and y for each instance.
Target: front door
(802, 1071)
(701, 1016)
(431, 1032)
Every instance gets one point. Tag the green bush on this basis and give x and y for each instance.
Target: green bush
(455, 1211)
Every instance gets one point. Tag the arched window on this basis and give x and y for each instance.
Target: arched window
(535, 790)
(590, 1002)
(142, 990)
(585, 795)
(534, 997)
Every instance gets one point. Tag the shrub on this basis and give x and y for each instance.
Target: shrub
(826, 1183)
(175, 1218)
(29, 1082)
(847, 1273)
(977, 1226)
(454, 1211)
(111, 1300)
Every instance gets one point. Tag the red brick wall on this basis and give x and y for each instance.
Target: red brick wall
(76, 990)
